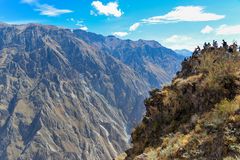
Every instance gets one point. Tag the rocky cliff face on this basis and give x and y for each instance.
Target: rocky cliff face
(197, 116)
(61, 97)
(153, 62)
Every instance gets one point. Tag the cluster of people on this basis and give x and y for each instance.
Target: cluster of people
(230, 48)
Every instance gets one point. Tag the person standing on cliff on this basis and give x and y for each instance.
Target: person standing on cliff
(215, 44)
(225, 45)
(205, 46)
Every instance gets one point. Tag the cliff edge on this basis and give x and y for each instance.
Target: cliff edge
(197, 116)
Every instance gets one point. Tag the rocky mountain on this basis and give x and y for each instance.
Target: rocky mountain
(70, 94)
(153, 62)
(184, 52)
(197, 116)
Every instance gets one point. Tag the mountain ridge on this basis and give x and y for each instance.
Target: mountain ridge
(152, 52)
(63, 97)
(196, 116)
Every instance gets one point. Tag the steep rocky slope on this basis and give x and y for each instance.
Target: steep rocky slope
(152, 61)
(197, 116)
(63, 98)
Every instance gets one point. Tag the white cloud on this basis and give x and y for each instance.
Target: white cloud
(51, 11)
(85, 28)
(178, 38)
(180, 46)
(180, 42)
(228, 30)
(134, 26)
(207, 29)
(93, 13)
(71, 19)
(110, 9)
(120, 34)
(80, 23)
(46, 9)
(185, 14)
(29, 1)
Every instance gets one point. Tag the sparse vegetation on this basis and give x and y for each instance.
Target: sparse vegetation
(197, 116)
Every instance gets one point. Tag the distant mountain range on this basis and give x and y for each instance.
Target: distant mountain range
(184, 52)
(71, 94)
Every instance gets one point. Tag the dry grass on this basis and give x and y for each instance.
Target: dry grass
(121, 156)
(218, 67)
(208, 88)
(170, 96)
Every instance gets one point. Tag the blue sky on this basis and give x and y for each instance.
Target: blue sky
(176, 24)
